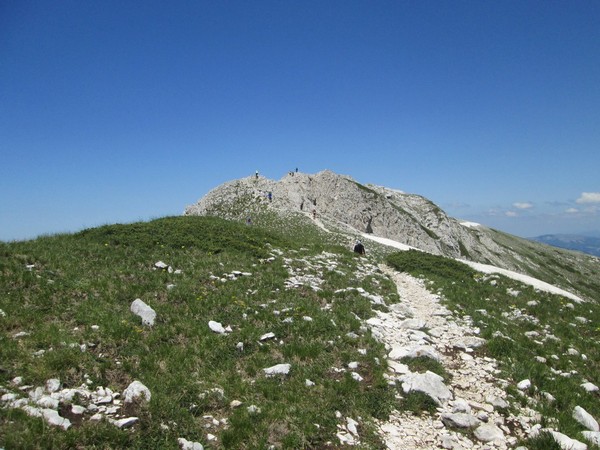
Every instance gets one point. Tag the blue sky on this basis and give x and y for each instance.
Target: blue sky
(123, 111)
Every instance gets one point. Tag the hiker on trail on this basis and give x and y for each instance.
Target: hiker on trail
(314, 214)
(296, 170)
(270, 196)
(248, 220)
(359, 248)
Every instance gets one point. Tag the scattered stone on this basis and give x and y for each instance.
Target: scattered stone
(429, 383)
(235, 404)
(184, 444)
(253, 409)
(309, 383)
(585, 419)
(398, 353)
(124, 423)
(53, 418)
(266, 336)
(53, 385)
(592, 436)
(139, 308)
(20, 334)
(565, 442)
(136, 390)
(469, 342)
(489, 433)
(78, 410)
(278, 369)
(589, 387)
(523, 385)
(459, 420)
(216, 327)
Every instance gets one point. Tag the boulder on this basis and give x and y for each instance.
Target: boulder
(429, 383)
(184, 444)
(139, 308)
(278, 369)
(592, 436)
(136, 390)
(216, 327)
(585, 419)
(488, 433)
(460, 420)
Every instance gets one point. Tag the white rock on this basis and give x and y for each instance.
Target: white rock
(240, 346)
(53, 418)
(413, 324)
(235, 403)
(488, 433)
(184, 444)
(160, 265)
(136, 390)
(460, 406)
(459, 420)
(566, 443)
(253, 409)
(351, 426)
(307, 319)
(53, 385)
(589, 387)
(309, 383)
(278, 369)
(216, 327)
(139, 308)
(585, 419)
(8, 397)
(400, 352)
(48, 402)
(468, 342)
(124, 423)
(592, 436)
(353, 365)
(523, 385)
(356, 376)
(17, 381)
(77, 409)
(266, 336)
(429, 383)
(96, 417)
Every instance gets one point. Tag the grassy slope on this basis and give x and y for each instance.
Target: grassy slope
(91, 278)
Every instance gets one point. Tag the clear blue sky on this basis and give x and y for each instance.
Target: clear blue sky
(117, 111)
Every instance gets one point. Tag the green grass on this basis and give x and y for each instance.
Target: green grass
(91, 278)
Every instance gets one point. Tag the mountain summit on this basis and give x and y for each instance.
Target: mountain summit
(340, 203)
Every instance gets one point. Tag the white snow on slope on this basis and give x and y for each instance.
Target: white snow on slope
(485, 268)
(470, 224)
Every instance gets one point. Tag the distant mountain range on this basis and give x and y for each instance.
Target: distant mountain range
(585, 244)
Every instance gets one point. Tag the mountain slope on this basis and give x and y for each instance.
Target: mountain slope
(585, 244)
(235, 303)
(348, 206)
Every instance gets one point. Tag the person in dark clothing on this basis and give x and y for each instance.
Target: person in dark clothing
(359, 248)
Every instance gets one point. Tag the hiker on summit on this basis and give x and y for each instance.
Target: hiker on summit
(359, 248)
(256, 174)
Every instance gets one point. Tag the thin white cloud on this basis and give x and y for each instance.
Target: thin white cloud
(572, 211)
(510, 214)
(589, 197)
(523, 205)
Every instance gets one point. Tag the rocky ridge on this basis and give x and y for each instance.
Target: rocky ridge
(345, 205)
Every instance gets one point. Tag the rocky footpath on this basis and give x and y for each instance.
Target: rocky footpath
(472, 408)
